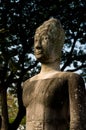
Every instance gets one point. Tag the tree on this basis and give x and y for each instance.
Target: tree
(18, 21)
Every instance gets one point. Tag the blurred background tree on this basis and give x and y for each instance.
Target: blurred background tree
(18, 21)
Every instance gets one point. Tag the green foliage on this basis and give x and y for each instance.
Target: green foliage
(18, 21)
(12, 107)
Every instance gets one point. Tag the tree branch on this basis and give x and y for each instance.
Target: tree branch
(79, 57)
(80, 67)
(69, 59)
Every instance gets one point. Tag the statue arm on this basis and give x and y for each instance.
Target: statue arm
(77, 103)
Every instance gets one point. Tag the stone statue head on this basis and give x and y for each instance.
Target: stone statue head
(51, 35)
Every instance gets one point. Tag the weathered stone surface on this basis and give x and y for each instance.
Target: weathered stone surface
(48, 102)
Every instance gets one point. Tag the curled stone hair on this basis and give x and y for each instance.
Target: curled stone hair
(55, 31)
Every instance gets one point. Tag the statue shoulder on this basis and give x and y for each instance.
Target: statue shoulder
(75, 80)
(72, 77)
(27, 82)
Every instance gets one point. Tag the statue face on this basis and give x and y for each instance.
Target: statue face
(43, 48)
(48, 41)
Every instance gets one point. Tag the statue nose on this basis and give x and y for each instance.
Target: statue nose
(38, 45)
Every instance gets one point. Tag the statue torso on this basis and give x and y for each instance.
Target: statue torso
(46, 103)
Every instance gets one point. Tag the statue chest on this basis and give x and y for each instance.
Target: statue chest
(49, 92)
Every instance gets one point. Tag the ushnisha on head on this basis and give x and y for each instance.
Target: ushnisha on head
(55, 31)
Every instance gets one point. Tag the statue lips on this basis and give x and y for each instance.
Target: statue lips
(38, 51)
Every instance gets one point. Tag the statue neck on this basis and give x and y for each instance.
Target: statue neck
(50, 67)
(48, 70)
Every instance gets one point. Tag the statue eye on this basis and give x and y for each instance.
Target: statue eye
(45, 38)
(36, 39)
